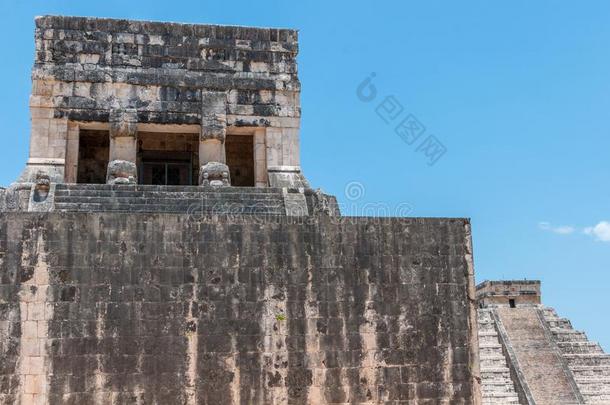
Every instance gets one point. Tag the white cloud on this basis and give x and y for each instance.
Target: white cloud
(561, 230)
(601, 231)
(564, 230)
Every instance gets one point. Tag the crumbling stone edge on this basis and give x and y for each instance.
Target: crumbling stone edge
(473, 328)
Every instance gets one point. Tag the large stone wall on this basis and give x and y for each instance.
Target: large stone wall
(86, 66)
(162, 308)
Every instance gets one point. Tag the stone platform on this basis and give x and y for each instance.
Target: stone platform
(191, 200)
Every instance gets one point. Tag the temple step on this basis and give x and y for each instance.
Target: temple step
(175, 199)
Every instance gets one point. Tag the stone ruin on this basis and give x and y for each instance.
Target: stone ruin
(163, 246)
(529, 355)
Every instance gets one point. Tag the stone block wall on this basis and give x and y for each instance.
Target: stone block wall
(83, 66)
(160, 308)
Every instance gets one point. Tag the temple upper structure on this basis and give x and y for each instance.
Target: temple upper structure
(168, 108)
(509, 293)
(117, 101)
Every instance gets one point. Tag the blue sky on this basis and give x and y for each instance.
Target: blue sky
(517, 92)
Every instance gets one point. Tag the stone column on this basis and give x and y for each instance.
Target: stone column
(122, 167)
(283, 163)
(212, 156)
(72, 153)
(47, 141)
(261, 178)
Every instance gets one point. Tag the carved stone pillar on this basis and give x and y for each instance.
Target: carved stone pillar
(123, 147)
(213, 127)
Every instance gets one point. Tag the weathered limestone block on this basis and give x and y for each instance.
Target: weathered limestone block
(214, 174)
(15, 197)
(123, 146)
(48, 137)
(122, 172)
(213, 115)
(54, 168)
(295, 203)
(322, 204)
(123, 123)
(212, 150)
(213, 127)
(287, 177)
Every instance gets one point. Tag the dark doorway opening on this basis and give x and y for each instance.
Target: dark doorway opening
(166, 173)
(240, 159)
(93, 155)
(167, 159)
(511, 303)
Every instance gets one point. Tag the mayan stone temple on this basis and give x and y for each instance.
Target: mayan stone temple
(529, 355)
(163, 246)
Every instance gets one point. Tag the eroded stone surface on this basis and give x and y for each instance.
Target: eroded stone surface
(141, 308)
(214, 174)
(123, 122)
(102, 64)
(122, 172)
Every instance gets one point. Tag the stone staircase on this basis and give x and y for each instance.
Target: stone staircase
(587, 361)
(192, 200)
(497, 386)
